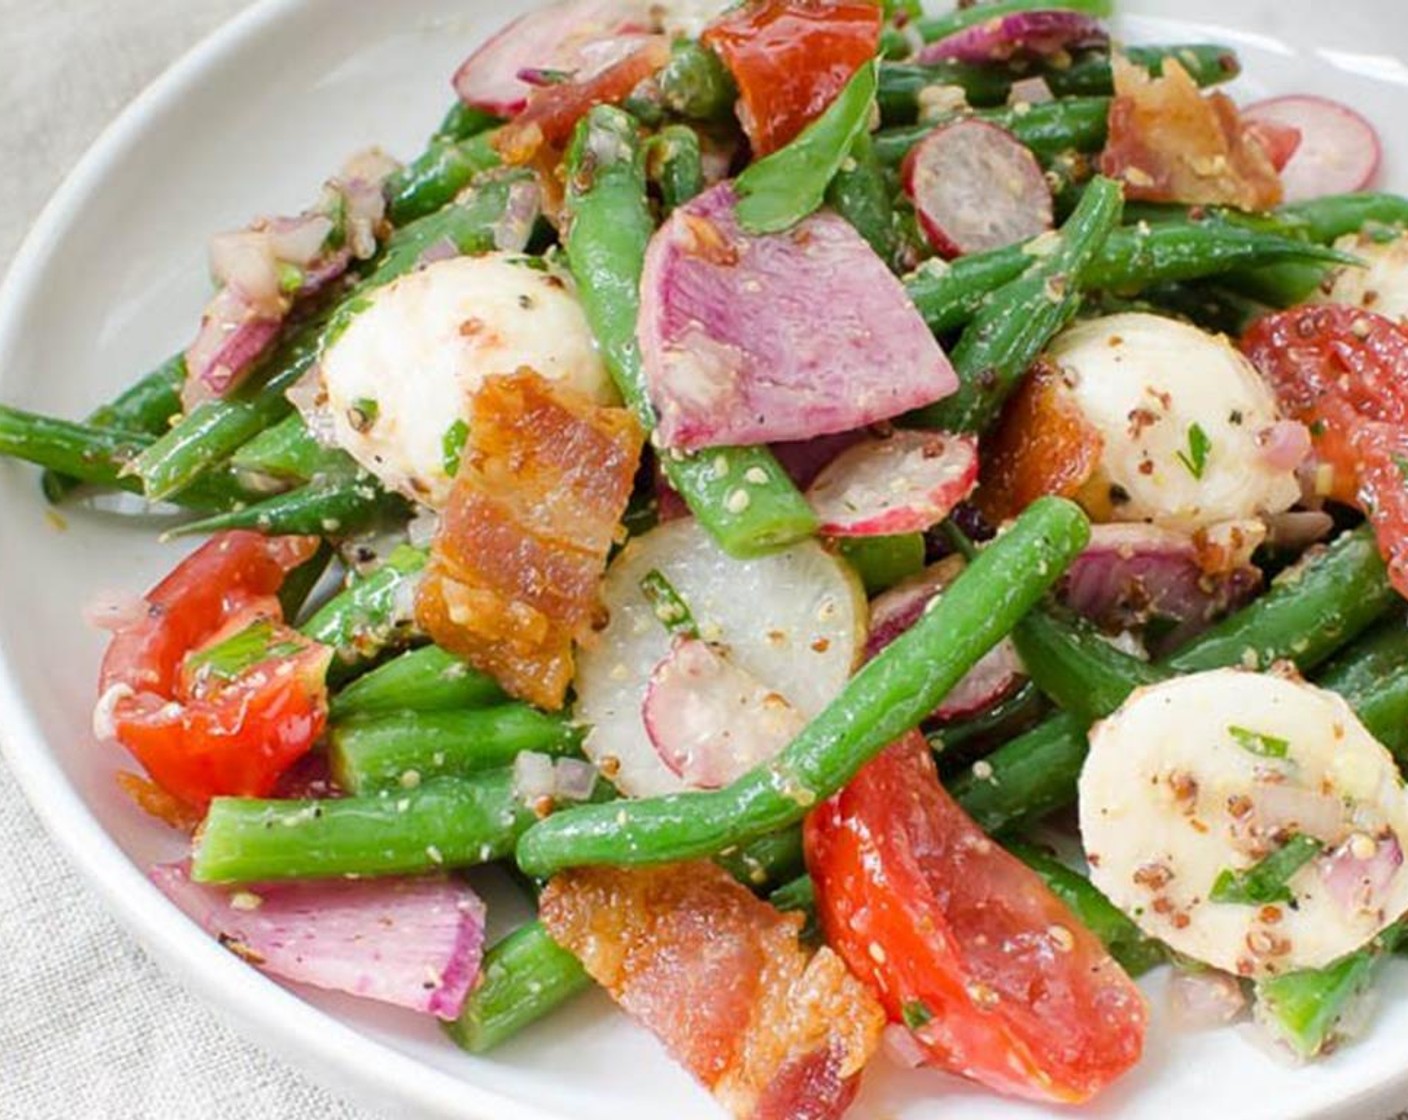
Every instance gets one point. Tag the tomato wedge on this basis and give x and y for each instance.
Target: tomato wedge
(790, 58)
(1341, 371)
(995, 977)
(208, 689)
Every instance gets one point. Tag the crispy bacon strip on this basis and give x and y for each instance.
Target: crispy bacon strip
(1169, 143)
(721, 979)
(515, 568)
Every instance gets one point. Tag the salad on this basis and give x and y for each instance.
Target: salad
(889, 525)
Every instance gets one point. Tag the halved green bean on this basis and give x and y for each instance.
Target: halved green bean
(216, 429)
(860, 194)
(1076, 666)
(1048, 129)
(404, 749)
(524, 977)
(1126, 942)
(433, 178)
(695, 83)
(890, 695)
(881, 562)
(449, 822)
(1310, 611)
(334, 506)
(370, 615)
(1088, 75)
(1304, 1009)
(462, 121)
(674, 162)
(606, 242)
(949, 294)
(298, 585)
(1008, 332)
(428, 679)
(290, 451)
(779, 190)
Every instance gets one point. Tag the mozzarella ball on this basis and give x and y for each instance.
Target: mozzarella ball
(1381, 285)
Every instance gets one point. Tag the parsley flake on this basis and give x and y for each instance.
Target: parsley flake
(1196, 457)
(1265, 882)
(1267, 746)
(916, 1014)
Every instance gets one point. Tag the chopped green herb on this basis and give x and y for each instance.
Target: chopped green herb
(239, 653)
(290, 278)
(1196, 457)
(1267, 746)
(1265, 882)
(452, 446)
(672, 611)
(1317, 429)
(916, 1014)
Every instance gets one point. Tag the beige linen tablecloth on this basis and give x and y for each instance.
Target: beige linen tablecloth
(89, 1028)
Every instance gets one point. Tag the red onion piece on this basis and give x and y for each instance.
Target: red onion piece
(1284, 445)
(1358, 872)
(1278, 807)
(416, 943)
(1039, 33)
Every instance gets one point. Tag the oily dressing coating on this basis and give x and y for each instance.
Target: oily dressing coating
(785, 336)
(514, 571)
(775, 1033)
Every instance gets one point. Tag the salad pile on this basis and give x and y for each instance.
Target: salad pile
(891, 525)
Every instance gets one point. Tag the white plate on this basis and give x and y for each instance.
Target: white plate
(112, 280)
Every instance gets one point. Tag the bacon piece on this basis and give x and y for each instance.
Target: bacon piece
(515, 568)
(722, 980)
(1169, 143)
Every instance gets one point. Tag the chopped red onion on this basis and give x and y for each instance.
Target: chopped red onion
(1030, 91)
(533, 777)
(575, 779)
(1358, 873)
(1284, 445)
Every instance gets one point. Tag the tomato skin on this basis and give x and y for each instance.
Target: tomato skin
(935, 916)
(790, 58)
(197, 737)
(1341, 371)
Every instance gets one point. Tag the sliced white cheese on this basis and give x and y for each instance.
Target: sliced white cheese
(1180, 413)
(794, 621)
(1381, 285)
(399, 380)
(1214, 771)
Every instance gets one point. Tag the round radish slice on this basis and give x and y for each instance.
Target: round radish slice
(794, 621)
(711, 721)
(1339, 150)
(903, 483)
(995, 676)
(975, 186)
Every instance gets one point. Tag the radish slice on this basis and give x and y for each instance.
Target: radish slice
(1339, 150)
(1038, 33)
(786, 336)
(975, 186)
(415, 943)
(793, 620)
(551, 38)
(711, 721)
(995, 676)
(901, 484)
(1133, 574)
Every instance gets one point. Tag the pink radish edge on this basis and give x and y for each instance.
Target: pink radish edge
(1339, 150)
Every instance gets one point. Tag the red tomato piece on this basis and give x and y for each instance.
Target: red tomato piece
(1340, 370)
(201, 733)
(964, 943)
(790, 58)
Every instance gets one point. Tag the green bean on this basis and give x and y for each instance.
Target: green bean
(934, 28)
(403, 749)
(674, 163)
(1077, 667)
(695, 83)
(1126, 942)
(1048, 129)
(97, 456)
(1008, 333)
(462, 121)
(606, 250)
(449, 822)
(1089, 75)
(1310, 611)
(1372, 675)
(370, 615)
(433, 178)
(216, 429)
(290, 452)
(949, 294)
(860, 194)
(525, 976)
(298, 585)
(773, 858)
(1304, 1009)
(337, 505)
(887, 697)
(428, 679)
(779, 190)
(881, 562)
(1008, 717)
